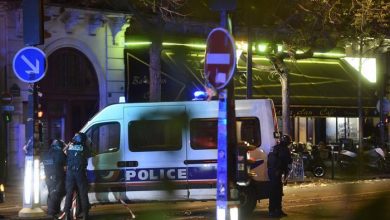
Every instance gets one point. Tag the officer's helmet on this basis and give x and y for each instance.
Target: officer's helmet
(57, 144)
(79, 138)
(285, 139)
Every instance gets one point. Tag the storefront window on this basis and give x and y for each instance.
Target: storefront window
(337, 128)
(331, 132)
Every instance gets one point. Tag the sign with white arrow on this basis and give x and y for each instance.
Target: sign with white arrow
(30, 64)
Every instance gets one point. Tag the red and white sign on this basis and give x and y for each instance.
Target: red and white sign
(220, 58)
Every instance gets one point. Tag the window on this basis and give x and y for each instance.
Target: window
(155, 135)
(204, 132)
(105, 137)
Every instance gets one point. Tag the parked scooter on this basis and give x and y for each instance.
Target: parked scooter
(373, 158)
(311, 159)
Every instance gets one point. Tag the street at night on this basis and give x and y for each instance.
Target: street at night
(184, 109)
(317, 199)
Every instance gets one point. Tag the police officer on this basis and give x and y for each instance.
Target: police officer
(54, 161)
(78, 153)
(278, 163)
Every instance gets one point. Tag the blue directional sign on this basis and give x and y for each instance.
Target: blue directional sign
(30, 64)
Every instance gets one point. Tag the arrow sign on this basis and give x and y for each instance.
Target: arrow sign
(34, 69)
(220, 58)
(30, 64)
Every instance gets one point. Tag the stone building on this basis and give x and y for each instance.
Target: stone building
(84, 50)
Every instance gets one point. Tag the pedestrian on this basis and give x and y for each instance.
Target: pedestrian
(54, 161)
(78, 153)
(279, 163)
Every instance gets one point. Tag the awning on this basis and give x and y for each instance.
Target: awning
(318, 86)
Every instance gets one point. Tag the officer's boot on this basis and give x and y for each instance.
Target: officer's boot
(85, 216)
(68, 216)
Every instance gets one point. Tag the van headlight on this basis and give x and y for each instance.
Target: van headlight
(1, 187)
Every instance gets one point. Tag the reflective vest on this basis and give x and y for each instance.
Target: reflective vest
(77, 157)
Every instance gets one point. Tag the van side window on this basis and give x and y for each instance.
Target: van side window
(204, 132)
(105, 137)
(155, 135)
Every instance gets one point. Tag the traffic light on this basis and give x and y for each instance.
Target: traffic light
(6, 116)
(39, 112)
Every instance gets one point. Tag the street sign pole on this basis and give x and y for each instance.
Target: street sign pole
(227, 192)
(31, 195)
(30, 66)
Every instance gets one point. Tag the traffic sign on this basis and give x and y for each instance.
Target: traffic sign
(220, 58)
(30, 64)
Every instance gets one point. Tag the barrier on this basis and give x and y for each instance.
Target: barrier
(297, 171)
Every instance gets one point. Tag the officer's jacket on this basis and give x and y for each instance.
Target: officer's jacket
(78, 157)
(279, 159)
(54, 161)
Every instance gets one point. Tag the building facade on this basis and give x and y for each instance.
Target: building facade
(85, 53)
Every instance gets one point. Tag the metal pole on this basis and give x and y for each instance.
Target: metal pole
(360, 109)
(249, 68)
(227, 193)
(381, 64)
(31, 195)
(331, 148)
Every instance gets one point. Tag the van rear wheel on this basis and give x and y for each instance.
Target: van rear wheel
(247, 201)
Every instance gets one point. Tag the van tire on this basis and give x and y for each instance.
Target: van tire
(248, 200)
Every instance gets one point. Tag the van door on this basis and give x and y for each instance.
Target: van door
(202, 158)
(155, 153)
(202, 152)
(105, 176)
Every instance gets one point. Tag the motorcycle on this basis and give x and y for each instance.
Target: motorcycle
(311, 159)
(373, 158)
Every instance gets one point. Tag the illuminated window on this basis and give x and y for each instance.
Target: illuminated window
(204, 132)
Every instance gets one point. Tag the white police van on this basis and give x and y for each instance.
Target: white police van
(144, 150)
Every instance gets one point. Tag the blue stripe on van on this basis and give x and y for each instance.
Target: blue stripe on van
(197, 173)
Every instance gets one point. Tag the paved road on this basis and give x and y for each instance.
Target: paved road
(323, 199)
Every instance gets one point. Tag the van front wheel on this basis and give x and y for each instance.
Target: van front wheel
(247, 200)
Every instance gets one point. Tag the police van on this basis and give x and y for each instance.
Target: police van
(167, 151)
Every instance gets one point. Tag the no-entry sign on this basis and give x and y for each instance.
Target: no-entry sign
(220, 58)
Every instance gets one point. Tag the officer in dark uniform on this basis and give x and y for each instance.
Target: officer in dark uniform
(54, 161)
(78, 153)
(278, 163)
